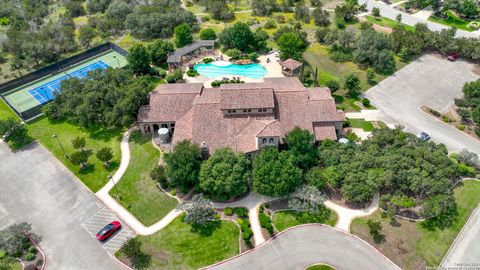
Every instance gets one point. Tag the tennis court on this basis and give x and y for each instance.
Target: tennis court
(43, 90)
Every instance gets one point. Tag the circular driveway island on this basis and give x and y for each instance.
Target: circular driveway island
(303, 246)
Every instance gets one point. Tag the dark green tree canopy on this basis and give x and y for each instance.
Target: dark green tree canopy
(274, 173)
(110, 98)
(300, 143)
(239, 36)
(183, 165)
(159, 51)
(183, 35)
(139, 59)
(224, 175)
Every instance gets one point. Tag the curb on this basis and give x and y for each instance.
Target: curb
(295, 227)
(41, 251)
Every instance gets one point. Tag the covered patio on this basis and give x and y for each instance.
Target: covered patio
(185, 54)
(291, 67)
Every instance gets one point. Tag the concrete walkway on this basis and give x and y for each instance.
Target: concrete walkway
(124, 214)
(252, 202)
(346, 215)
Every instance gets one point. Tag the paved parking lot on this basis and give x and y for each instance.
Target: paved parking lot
(433, 81)
(36, 188)
(99, 220)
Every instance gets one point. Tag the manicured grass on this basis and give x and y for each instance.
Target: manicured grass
(386, 22)
(95, 175)
(6, 112)
(139, 193)
(413, 245)
(283, 220)
(327, 69)
(320, 267)
(452, 21)
(361, 123)
(178, 246)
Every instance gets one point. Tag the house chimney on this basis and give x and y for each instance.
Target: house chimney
(204, 150)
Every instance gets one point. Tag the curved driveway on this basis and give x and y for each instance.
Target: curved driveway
(302, 246)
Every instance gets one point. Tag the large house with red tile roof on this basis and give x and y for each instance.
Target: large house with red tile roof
(244, 117)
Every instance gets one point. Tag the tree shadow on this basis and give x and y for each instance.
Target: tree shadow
(206, 229)
(142, 260)
(87, 169)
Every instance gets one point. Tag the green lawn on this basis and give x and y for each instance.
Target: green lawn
(320, 267)
(414, 246)
(177, 246)
(139, 193)
(361, 123)
(283, 220)
(6, 112)
(386, 22)
(452, 21)
(327, 69)
(95, 175)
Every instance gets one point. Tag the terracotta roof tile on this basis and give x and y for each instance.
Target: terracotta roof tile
(246, 98)
(198, 116)
(291, 64)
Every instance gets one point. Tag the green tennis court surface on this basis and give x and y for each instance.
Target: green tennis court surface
(37, 92)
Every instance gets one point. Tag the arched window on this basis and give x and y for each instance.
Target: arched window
(264, 140)
(271, 140)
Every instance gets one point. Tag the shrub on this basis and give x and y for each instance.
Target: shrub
(466, 170)
(192, 73)
(173, 192)
(208, 60)
(162, 73)
(376, 12)
(30, 256)
(170, 78)
(216, 216)
(461, 127)
(240, 221)
(228, 211)
(434, 112)
(247, 234)
(241, 212)
(340, 23)
(366, 102)
(445, 118)
(233, 53)
(205, 18)
(334, 85)
(32, 249)
(270, 24)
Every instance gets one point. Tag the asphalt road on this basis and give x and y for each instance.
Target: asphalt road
(466, 251)
(36, 188)
(432, 81)
(391, 13)
(306, 245)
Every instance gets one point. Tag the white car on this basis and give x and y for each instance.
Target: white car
(423, 136)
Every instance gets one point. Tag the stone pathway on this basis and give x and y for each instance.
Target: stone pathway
(252, 202)
(346, 215)
(117, 208)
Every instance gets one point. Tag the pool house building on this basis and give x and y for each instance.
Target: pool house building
(291, 67)
(192, 51)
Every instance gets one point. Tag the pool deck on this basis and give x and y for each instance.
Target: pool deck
(273, 70)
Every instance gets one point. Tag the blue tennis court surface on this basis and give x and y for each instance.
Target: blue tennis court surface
(45, 92)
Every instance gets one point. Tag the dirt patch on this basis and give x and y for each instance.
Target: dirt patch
(277, 205)
(382, 29)
(476, 70)
(398, 240)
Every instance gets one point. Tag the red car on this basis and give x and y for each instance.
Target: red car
(452, 57)
(108, 230)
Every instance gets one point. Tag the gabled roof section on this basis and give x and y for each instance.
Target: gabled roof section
(253, 98)
(178, 88)
(284, 84)
(176, 56)
(291, 64)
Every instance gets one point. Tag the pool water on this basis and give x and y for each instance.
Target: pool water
(216, 69)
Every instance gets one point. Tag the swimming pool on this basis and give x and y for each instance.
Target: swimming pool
(215, 69)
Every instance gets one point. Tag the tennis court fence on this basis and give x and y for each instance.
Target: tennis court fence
(52, 70)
